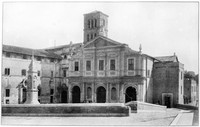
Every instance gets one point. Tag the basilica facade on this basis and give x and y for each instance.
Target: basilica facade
(99, 70)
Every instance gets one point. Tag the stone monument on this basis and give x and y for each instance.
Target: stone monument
(32, 91)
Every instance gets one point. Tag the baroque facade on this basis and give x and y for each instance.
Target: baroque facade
(99, 70)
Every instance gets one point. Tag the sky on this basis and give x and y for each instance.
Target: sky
(162, 28)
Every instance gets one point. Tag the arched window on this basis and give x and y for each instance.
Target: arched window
(95, 23)
(95, 35)
(88, 23)
(89, 93)
(113, 94)
(88, 37)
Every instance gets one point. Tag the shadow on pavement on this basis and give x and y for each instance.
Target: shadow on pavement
(195, 118)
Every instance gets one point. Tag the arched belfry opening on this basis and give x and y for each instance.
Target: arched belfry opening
(95, 24)
(101, 94)
(130, 94)
(76, 95)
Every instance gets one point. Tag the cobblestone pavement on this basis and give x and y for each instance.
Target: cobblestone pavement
(141, 118)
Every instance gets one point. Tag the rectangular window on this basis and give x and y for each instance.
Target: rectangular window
(51, 73)
(88, 65)
(38, 73)
(101, 65)
(52, 91)
(51, 99)
(7, 92)
(76, 66)
(7, 54)
(112, 64)
(88, 37)
(23, 72)
(7, 101)
(64, 73)
(130, 64)
(88, 23)
(7, 71)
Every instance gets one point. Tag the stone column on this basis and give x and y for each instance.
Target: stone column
(83, 92)
(107, 96)
(122, 95)
(118, 93)
(93, 93)
(70, 94)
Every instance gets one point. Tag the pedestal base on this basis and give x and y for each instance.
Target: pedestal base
(32, 97)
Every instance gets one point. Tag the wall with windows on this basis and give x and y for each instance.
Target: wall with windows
(190, 90)
(14, 70)
(180, 83)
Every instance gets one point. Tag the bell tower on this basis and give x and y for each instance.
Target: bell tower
(95, 24)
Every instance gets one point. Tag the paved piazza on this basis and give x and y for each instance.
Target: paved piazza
(142, 118)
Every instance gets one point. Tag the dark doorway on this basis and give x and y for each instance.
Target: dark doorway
(168, 101)
(130, 94)
(76, 95)
(64, 97)
(101, 95)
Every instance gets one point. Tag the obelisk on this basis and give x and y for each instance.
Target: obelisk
(32, 91)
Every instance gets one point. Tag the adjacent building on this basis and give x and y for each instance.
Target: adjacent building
(168, 79)
(99, 70)
(190, 89)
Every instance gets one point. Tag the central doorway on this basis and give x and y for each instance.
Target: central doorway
(64, 97)
(168, 101)
(130, 94)
(101, 95)
(76, 94)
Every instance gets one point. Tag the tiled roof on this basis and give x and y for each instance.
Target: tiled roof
(28, 51)
(63, 46)
(168, 58)
(105, 38)
(96, 12)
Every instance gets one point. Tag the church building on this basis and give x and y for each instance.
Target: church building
(99, 70)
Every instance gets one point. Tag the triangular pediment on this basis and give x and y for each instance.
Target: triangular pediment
(101, 42)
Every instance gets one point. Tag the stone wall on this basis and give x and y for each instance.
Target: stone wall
(77, 110)
(167, 81)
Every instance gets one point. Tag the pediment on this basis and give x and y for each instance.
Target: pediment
(101, 42)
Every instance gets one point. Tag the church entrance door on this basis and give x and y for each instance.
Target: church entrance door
(101, 95)
(130, 94)
(64, 97)
(76, 95)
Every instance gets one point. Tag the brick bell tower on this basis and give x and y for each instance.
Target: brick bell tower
(95, 24)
